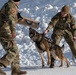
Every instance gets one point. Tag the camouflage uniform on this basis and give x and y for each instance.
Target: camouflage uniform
(63, 26)
(8, 19)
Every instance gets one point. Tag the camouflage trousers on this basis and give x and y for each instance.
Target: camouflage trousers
(12, 53)
(68, 38)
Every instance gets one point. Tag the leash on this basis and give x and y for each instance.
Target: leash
(48, 39)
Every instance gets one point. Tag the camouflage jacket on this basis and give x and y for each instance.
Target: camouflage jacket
(59, 23)
(8, 17)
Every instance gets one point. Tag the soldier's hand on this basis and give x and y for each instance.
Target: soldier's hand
(13, 35)
(74, 37)
(45, 32)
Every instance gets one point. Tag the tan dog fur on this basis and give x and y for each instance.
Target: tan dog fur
(42, 44)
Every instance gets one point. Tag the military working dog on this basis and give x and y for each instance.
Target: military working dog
(43, 44)
(57, 54)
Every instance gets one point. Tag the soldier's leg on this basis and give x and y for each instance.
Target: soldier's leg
(72, 44)
(15, 67)
(56, 38)
(11, 52)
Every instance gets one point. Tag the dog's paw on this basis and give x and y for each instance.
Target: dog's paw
(51, 65)
(49, 62)
(43, 66)
(60, 65)
(68, 65)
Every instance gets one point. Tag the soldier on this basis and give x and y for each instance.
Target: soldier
(8, 19)
(63, 24)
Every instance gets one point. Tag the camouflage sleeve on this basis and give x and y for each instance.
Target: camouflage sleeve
(11, 17)
(73, 26)
(53, 22)
(72, 23)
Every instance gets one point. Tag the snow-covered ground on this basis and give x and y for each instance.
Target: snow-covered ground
(42, 11)
(37, 70)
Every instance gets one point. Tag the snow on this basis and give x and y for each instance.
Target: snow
(55, 71)
(37, 70)
(42, 11)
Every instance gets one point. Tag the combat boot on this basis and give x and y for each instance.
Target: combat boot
(2, 72)
(16, 69)
(18, 72)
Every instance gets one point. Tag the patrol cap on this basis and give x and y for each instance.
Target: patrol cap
(16, 0)
(66, 9)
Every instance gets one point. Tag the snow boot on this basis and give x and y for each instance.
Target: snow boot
(16, 70)
(2, 72)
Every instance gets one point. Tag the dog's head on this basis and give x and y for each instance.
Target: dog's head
(33, 34)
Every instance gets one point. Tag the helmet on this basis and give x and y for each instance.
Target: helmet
(16, 0)
(66, 9)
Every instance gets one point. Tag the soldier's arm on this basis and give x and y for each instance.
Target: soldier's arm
(12, 13)
(73, 26)
(53, 22)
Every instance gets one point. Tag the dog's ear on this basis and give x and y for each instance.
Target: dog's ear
(62, 48)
